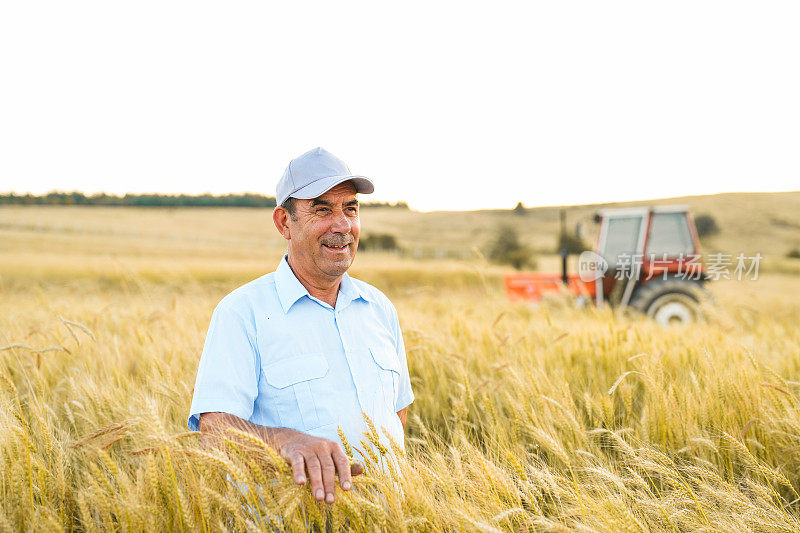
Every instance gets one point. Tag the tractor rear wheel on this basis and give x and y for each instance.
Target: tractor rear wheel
(669, 301)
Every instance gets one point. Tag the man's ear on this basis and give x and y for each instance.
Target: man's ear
(281, 219)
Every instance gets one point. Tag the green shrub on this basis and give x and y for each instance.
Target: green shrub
(507, 249)
(571, 243)
(706, 225)
(379, 242)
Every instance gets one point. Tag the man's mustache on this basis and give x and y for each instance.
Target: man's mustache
(338, 240)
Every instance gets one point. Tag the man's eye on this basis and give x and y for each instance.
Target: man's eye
(323, 211)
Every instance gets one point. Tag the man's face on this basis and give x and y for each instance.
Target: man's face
(324, 234)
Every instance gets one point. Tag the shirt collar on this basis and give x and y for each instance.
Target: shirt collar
(290, 289)
(350, 290)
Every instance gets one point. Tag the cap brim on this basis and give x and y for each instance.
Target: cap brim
(312, 190)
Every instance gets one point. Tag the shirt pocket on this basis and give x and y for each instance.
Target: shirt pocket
(295, 384)
(388, 376)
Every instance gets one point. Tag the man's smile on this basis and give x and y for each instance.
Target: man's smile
(338, 243)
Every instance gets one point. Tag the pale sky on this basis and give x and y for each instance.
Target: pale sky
(445, 105)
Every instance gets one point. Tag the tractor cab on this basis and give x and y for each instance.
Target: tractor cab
(646, 258)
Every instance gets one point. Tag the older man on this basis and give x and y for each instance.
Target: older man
(302, 351)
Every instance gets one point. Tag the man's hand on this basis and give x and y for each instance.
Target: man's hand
(321, 458)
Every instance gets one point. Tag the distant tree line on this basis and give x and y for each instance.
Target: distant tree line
(157, 200)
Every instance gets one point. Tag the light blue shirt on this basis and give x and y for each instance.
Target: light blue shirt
(278, 357)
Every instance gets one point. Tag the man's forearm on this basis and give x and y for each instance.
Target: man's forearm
(213, 426)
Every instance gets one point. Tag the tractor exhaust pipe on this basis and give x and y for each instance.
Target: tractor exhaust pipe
(563, 252)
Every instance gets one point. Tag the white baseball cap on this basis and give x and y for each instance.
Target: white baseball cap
(314, 173)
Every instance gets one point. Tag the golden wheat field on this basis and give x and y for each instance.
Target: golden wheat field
(547, 418)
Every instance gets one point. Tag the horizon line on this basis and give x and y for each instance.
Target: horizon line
(409, 204)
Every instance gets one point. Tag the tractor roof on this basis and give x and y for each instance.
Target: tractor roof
(642, 210)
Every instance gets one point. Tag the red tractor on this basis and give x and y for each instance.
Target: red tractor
(646, 258)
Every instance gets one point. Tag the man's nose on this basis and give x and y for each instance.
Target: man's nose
(340, 223)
